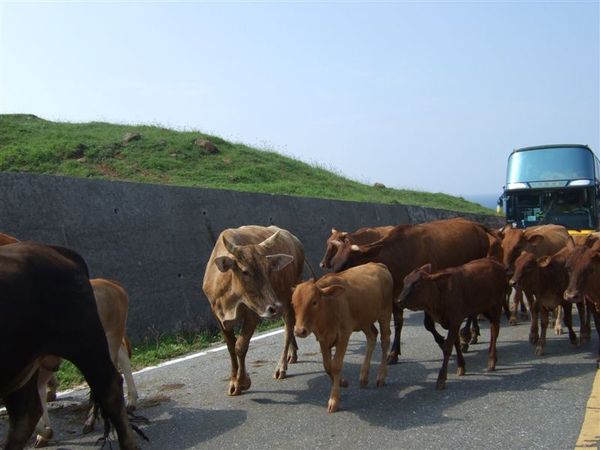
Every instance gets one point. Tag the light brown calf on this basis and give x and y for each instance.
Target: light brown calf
(451, 295)
(112, 305)
(338, 304)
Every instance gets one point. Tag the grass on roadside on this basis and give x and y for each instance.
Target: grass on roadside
(152, 352)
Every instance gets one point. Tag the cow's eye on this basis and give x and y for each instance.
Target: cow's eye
(245, 273)
(314, 303)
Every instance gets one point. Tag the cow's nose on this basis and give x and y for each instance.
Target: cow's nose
(300, 331)
(570, 296)
(271, 310)
(322, 265)
(512, 283)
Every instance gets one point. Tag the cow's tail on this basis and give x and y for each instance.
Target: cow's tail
(311, 269)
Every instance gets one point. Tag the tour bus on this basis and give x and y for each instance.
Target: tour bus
(557, 184)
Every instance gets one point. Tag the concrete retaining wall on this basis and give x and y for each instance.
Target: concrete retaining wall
(157, 239)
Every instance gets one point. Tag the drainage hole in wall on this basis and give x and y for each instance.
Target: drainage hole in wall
(116, 210)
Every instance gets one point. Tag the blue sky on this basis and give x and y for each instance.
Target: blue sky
(429, 96)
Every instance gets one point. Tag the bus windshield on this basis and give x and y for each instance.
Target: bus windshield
(550, 164)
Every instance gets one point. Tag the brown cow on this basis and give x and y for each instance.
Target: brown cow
(546, 278)
(7, 239)
(443, 243)
(583, 266)
(249, 275)
(450, 295)
(338, 304)
(47, 307)
(112, 304)
(542, 240)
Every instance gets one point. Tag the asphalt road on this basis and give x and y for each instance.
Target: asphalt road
(528, 403)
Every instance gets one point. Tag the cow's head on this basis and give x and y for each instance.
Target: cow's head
(251, 267)
(352, 255)
(583, 265)
(524, 267)
(335, 241)
(311, 303)
(418, 288)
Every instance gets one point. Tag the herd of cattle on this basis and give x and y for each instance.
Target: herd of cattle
(451, 269)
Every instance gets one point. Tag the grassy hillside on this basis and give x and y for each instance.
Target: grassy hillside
(160, 155)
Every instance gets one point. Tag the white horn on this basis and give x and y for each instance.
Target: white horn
(269, 241)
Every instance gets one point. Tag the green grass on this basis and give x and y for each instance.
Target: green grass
(97, 150)
(154, 351)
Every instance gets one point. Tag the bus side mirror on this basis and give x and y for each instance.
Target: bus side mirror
(499, 206)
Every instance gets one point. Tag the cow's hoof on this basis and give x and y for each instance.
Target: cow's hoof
(380, 383)
(280, 374)
(392, 359)
(558, 331)
(474, 339)
(539, 351)
(344, 383)
(292, 359)
(460, 371)
(533, 338)
(584, 338)
(491, 368)
(50, 396)
(573, 339)
(43, 439)
(88, 428)
(464, 347)
(512, 321)
(131, 408)
(440, 385)
(333, 405)
(364, 383)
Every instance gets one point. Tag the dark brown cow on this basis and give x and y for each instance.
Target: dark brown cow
(249, 275)
(543, 240)
(47, 307)
(338, 304)
(546, 278)
(583, 266)
(450, 295)
(443, 243)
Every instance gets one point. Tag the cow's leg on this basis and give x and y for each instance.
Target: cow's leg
(558, 320)
(430, 326)
(517, 300)
(398, 314)
(242, 381)
(465, 335)
(384, 326)
(568, 320)
(460, 359)
(125, 366)
(541, 343)
(44, 428)
(336, 371)
(106, 385)
(229, 336)
(585, 313)
(52, 388)
(447, 350)
(494, 331)
(24, 410)
(289, 321)
(326, 355)
(371, 335)
(475, 330)
(534, 331)
(92, 417)
(594, 311)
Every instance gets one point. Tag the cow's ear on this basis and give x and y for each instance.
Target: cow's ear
(570, 245)
(536, 239)
(426, 268)
(230, 246)
(544, 261)
(224, 263)
(333, 290)
(279, 261)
